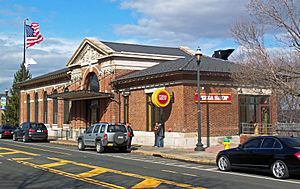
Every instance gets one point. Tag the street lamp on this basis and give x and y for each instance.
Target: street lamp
(6, 95)
(198, 55)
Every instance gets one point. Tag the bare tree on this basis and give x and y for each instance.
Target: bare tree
(278, 68)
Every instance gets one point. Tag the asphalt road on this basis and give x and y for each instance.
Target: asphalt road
(45, 165)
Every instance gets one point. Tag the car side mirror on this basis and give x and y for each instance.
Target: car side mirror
(84, 131)
(240, 146)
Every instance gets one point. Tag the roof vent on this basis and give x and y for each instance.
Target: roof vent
(223, 54)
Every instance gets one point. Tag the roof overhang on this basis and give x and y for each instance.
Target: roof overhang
(80, 95)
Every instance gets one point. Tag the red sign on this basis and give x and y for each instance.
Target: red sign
(213, 97)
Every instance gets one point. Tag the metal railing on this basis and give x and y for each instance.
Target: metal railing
(67, 134)
(257, 129)
(288, 129)
(283, 129)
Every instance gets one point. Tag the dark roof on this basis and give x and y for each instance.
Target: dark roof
(56, 73)
(134, 48)
(189, 63)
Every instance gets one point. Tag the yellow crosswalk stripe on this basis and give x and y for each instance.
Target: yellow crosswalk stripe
(148, 183)
(48, 165)
(13, 151)
(92, 173)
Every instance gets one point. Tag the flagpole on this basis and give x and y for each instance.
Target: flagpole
(24, 50)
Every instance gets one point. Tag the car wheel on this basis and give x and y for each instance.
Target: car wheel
(14, 137)
(279, 170)
(99, 147)
(224, 164)
(119, 138)
(81, 145)
(25, 139)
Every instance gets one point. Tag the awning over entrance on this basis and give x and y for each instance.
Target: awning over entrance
(81, 95)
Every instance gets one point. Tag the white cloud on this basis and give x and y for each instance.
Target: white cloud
(175, 21)
(51, 54)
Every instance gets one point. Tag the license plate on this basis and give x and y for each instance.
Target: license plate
(110, 144)
(120, 137)
(39, 131)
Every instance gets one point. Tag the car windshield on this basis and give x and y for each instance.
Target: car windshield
(292, 142)
(38, 126)
(116, 128)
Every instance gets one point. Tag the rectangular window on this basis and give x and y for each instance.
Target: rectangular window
(126, 109)
(66, 111)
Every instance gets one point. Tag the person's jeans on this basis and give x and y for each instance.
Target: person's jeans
(160, 141)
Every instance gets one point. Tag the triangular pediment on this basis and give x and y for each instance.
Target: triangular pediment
(89, 52)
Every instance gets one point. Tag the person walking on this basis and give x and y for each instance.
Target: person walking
(130, 134)
(161, 135)
(155, 129)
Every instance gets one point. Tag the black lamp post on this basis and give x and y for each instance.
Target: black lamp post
(199, 145)
(6, 95)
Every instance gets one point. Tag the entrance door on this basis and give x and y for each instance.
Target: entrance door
(264, 118)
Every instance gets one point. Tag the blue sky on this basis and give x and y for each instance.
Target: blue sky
(65, 23)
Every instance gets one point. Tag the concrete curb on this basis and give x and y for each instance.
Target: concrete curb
(199, 159)
(180, 157)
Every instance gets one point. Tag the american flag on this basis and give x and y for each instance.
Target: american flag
(33, 34)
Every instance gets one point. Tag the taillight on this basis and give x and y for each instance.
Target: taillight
(105, 137)
(45, 131)
(7, 132)
(31, 130)
(297, 154)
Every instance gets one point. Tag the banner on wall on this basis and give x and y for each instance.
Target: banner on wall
(213, 97)
(3, 103)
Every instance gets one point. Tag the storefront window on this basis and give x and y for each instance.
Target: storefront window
(250, 108)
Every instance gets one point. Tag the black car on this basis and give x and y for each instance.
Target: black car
(6, 131)
(31, 131)
(278, 154)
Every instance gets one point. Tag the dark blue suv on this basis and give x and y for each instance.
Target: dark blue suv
(31, 131)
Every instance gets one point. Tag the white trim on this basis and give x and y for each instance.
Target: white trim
(152, 89)
(45, 87)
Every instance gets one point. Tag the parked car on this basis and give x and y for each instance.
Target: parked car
(278, 154)
(6, 131)
(31, 131)
(103, 136)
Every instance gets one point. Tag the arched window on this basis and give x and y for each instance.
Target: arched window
(36, 107)
(28, 107)
(93, 82)
(55, 109)
(45, 102)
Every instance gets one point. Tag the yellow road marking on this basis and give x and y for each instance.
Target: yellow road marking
(74, 176)
(16, 152)
(148, 183)
(127, 174)
(53, 164)
(20, 159)
(92, 173)
(63, 153)
(9, 153)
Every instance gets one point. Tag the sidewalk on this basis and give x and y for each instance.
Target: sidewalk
(189, 155)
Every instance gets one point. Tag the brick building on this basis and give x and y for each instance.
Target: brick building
(113, 82)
